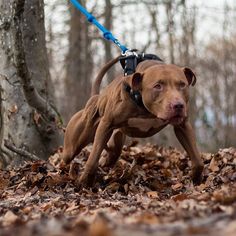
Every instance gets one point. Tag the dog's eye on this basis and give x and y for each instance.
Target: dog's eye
(182, 85)
(159, 87)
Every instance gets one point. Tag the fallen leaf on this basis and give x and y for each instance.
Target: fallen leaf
(9, 218)
(153, 194)
(177, 186)
(213, 165)
(179, 197)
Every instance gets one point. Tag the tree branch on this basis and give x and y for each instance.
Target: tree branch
(20, 151)
(134, 2)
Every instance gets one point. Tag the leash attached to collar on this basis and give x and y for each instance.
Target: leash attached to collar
(106, 33)
(129, 59)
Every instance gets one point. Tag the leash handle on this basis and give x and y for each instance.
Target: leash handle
(106, 33)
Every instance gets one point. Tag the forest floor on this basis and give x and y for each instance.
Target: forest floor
(148, 192)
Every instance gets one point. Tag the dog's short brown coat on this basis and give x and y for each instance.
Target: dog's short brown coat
(107, 118)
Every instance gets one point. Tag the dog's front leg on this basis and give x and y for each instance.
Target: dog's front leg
(186, 137)
(114, 148)
(103, 133)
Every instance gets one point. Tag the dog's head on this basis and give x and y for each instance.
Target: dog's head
(165, 91)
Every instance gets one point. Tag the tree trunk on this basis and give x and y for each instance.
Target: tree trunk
(79, 64)
(170, 29)
(29, 122)
(154, 11)
(107, 44)
(188, 25)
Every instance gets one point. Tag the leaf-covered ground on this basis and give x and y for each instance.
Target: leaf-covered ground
(148, 192)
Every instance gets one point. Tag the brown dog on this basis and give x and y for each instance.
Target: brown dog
(138, 105)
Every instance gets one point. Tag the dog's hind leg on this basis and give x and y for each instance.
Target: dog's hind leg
(79, 133)
(114, 148)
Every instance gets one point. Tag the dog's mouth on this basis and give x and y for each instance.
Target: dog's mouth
(173, 120)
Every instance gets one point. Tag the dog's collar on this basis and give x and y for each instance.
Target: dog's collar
(134, 95)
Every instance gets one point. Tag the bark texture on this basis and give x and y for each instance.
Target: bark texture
(28, 119)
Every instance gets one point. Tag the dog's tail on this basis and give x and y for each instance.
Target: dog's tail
(96, 84)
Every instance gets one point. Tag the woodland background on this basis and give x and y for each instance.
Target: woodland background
(200, 35)
(49, 56)
(55, 81)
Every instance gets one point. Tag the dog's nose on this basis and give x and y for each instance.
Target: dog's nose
(178, 106)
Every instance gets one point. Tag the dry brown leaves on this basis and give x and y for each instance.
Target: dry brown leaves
(148, 192)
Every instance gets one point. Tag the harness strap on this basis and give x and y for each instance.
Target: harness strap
(129, 64)
(135, 96)
(131, 59)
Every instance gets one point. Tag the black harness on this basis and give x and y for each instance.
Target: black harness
(129, 64)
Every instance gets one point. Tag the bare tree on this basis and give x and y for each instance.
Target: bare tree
(79, 64)
(29, 121)
(169, 6)
(187, 49)
(153, 11)
(107, 45)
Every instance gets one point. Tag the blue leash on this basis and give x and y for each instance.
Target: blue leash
(106, 33)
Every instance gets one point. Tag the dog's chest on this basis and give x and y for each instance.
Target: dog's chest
(140, 127)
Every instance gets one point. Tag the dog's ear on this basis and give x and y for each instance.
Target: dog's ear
(191, 77)
(136, 81)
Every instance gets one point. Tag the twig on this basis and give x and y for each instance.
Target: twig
(20, 151)
(134, 2)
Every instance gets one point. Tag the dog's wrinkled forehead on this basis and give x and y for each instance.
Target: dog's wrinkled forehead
(165, 73)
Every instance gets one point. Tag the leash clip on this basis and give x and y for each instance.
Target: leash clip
(130, 58)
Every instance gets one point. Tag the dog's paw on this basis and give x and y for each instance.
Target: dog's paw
(197, 175)
(85, 181)
(63, 166)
